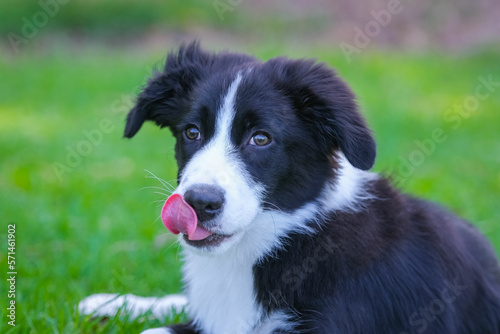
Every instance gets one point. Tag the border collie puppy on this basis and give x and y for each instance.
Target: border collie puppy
(284, 229)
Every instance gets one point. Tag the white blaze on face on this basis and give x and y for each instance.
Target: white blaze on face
(217, 164)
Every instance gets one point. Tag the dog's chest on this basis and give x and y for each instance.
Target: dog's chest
(221, 294)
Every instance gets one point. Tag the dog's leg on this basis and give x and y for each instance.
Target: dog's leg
(108, 305)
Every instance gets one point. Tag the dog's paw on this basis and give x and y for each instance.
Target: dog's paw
(162, 330)
(101, 305)
(109, 305)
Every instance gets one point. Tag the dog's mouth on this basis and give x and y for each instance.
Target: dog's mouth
(179, 217)
(212, 240)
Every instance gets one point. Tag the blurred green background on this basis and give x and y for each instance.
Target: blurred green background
(83, 201)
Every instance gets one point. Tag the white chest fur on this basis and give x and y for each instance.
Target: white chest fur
(221, 294)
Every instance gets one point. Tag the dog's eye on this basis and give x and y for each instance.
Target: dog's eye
(192, 133)
(260, 139)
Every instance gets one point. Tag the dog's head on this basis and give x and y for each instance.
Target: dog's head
(251, 137)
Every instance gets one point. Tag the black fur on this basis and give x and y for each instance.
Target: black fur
(403, 265)
(184, 329)
(399, 265)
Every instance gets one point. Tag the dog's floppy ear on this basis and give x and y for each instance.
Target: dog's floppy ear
(165, 95)
(325, 101)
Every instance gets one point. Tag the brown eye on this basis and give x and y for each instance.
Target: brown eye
(192, 133)
(260, 139)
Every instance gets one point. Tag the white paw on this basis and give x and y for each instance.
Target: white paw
(158, 331)
(100, 305)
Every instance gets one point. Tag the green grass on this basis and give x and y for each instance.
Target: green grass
(112, 20)
(95, 229)
(107, 17)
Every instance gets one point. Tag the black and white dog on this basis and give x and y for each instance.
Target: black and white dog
(283, 228)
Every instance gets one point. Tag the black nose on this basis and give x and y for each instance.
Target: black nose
(207, 201)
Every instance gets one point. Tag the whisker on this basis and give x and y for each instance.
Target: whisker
(276, 208)
(172, 244)
(178, 249)
(165, 183)
(160, 188)
(160, 193)
(158, 201)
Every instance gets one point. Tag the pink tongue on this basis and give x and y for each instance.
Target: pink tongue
(178, 216)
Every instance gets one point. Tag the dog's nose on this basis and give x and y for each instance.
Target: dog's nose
(207, 201)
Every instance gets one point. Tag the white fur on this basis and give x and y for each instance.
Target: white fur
(276, 320)
(103, 304)
(162, 330)
(350, 190)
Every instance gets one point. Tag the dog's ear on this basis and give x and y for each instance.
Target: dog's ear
(165, 95)
(326, 102)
